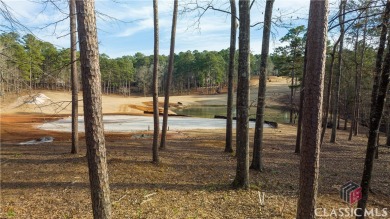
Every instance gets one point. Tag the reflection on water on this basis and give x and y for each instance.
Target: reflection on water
(203, 111)
(209, 111)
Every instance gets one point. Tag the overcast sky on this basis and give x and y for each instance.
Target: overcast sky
(135, 33)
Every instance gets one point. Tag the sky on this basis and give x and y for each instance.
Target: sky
(126, 26)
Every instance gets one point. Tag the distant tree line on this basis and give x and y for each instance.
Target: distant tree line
(30, 63)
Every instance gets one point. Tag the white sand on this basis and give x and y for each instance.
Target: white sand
(120, 123)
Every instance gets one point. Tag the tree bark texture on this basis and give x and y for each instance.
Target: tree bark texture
(301, 101)
(74, 77)
(232, 52)
(156, 113)
(257, 162)
(379, 92)
(242, 137)
(169, 76)
(94, 131)
(312, 108)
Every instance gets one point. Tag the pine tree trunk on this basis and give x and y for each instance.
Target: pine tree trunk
(353, 121)
(74, 77)
(301, 100)
(388, 129)
(327, 97)
(232, 52)
(242, 137)
(155, 84)
(292, 90)
(359, 80)
(169, 76)
(257, 161)
(379, 92)
(336, 98)
(346, 110)
(312, 108)
(94, 131)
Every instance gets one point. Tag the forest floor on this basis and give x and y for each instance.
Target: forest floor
(192, 181)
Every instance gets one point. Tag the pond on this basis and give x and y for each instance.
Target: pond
(209, 111)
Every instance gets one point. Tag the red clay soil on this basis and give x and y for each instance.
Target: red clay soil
(192, 181)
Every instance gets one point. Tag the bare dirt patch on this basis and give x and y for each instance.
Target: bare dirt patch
(192, 181)
(59, 102)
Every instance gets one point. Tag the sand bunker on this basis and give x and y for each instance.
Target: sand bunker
(120, 123)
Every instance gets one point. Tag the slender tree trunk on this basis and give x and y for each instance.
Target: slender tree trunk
(94, 131)
(388, 119)
(257, 161)
(336, 92)
(312, 108)
(155, 84)
(232, 52)
(74, 77)
(353, 121)
(359, 81)
(379, 92)
(388, 129)
(328, 93)
(242, 137)
(169, 76)
(358, 98)
(292, 89)
(346, 110)
(338, 116)
(301, 100)
(30, 74)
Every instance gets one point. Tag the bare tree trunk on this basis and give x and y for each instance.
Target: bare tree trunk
(242, 137)
(301, 100)
(169, 76)
(129, 88)
(257, 161)
(346, 110)
(155, 84)
(388, 130)
(328, 93)
(336, 92)
(359, 80)
(379, 92)
(388, 119)
(312, 108)
(338, 116)
(232, 51)
(94, 131)
(353, 121)
(74, 77)
(292, 91)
